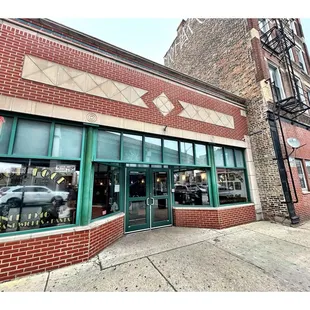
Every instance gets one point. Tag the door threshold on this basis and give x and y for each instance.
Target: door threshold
(146, 229)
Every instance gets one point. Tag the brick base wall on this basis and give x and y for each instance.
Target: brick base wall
(218, 218)
(33, 255)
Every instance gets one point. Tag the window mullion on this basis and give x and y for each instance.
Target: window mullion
(51, 139)
(13, 135)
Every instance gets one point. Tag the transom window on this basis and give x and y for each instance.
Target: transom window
(124, 147)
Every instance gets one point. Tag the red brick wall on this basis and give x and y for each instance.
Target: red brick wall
(217, 218)
(14, 44)
(20, 258)
(303, 206)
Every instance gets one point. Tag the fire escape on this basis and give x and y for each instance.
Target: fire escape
(278, 40)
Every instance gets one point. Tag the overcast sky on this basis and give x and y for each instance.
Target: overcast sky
(147, 37)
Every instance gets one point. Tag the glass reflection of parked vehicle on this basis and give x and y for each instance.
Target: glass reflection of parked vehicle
(187, 194)
(31, 195)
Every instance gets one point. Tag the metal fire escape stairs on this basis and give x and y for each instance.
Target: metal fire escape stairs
(278, 40)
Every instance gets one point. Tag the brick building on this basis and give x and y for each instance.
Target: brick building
(265, 61)
(96, 142)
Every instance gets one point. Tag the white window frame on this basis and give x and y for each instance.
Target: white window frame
(302, 175)
(301, 90)
(278, 79)
(301, 59)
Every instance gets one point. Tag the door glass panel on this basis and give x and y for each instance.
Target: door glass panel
(108, 145)
(5, 133)
(137, 212)
(171, 152)
(152, 149)
(160, 210)
(160, 183)
(32, 138)
(132, 147)
(67, 141)
(187, 154)
(137, 184)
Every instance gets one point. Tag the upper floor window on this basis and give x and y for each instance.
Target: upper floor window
(291, 54)
(293, 26)
(263, 24)
(300, 90)
(276, 79)
(301, 60)
(301, 175)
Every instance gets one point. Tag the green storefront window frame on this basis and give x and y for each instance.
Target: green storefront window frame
(48, 157)
(121, 196)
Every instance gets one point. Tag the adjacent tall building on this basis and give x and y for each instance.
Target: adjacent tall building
(265, 61)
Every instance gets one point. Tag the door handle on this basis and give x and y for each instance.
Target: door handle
(153, 201)
(147, 201)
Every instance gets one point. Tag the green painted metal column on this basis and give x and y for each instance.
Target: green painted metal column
(87, 178)
(213, 176)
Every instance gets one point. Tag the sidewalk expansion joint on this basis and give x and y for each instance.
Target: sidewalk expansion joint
(48, 277)
(258, 232)
(162, 274)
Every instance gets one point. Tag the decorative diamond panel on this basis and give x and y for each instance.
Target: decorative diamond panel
(163, 104)
(205, 115)
(47, 72)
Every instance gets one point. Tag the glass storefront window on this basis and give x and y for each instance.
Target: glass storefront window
(191, 187)
(37, 193)
(201, 154)
(132, 147)
(152, 150)
(187, 154)
(67, 141)
(32, 138)
(229, 157)
(239, 158)
(218, 156)
(171, 152)
(108, 145)
(106, 190)
(231, 186)
(5, 133)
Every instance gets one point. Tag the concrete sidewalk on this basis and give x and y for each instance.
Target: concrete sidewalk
(260, 256)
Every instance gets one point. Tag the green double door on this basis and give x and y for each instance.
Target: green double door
(148, 201)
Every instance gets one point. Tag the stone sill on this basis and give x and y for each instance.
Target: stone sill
(214, 209)
(305, 193)
(61, 231)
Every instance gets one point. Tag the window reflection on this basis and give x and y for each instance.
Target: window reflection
(106, 190)
(191, 187)
(37, 193)
(231, 186)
